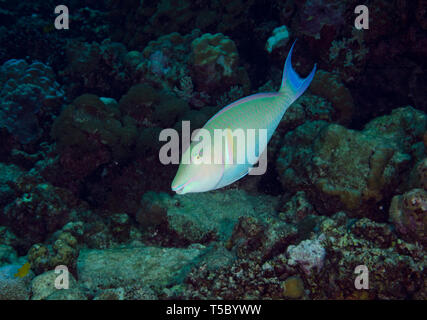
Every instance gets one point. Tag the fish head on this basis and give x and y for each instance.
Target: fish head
(197, 175)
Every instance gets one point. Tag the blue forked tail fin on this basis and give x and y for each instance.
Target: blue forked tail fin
(292, 83)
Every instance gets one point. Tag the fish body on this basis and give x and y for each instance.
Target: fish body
(262, 111)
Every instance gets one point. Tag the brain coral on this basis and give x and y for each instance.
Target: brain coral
(63, 252)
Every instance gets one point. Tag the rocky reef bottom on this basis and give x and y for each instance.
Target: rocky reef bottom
(349, 222)
(227, 244)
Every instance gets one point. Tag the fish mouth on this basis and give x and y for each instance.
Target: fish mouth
(178, 189)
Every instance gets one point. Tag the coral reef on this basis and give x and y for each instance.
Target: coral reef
(316, 15)
(8, 174)
(81, 185)
(38, 211)
(64, 251)
(347, 244)
(279, 38)
(166, 60)
(43, 288)
(342, 168)
(90, 133)
(215, 63)
(28, 94)
(96, 67)
(151, 266)
(196, 218)
(150, 108)
(328, 85)
(421, 174)
(293, 287)
(348, 56)
(11, 287)
(309, 255)
(386, 254)
(7, 255)
(131, 292)
(408, 212)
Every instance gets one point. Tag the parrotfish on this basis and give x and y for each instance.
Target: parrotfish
(261, 111)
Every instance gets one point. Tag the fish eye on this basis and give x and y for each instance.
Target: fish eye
(197, 156)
